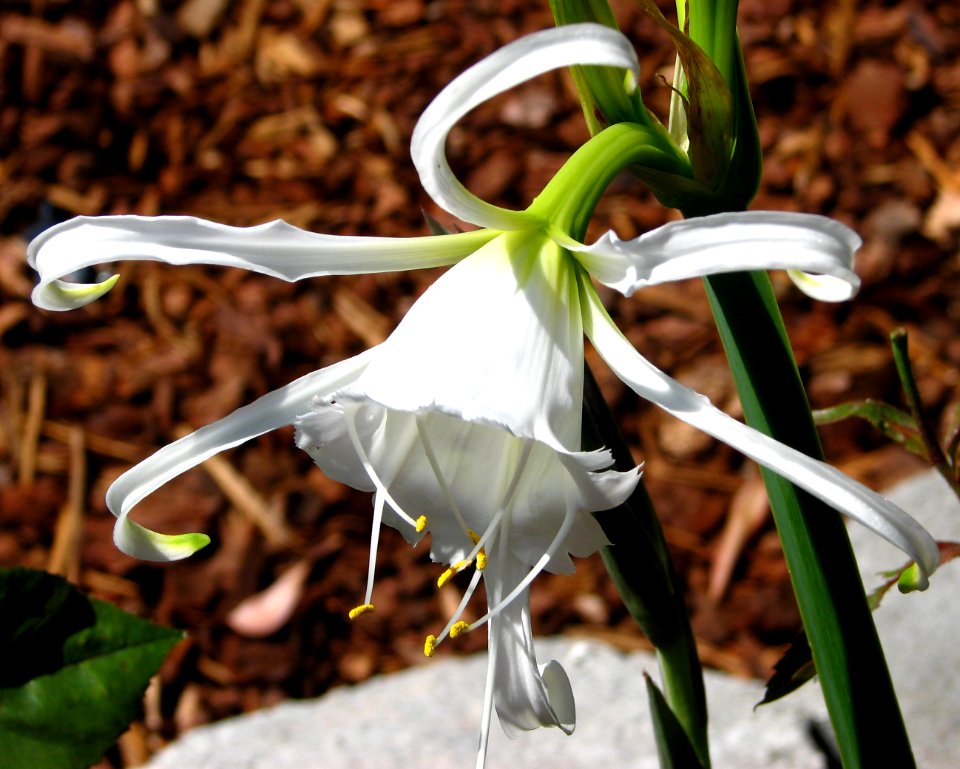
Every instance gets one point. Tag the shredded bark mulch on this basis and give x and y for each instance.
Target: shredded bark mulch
(252, 110)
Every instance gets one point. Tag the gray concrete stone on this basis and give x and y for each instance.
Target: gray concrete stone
(430, 715)
(920, 632)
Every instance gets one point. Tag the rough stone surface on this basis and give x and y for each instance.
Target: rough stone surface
(430, 715)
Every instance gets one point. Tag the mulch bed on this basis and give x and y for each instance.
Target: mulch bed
(251, 110)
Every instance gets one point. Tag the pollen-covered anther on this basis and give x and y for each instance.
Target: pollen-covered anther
(481, 553)
(453, 570)
(421, 524)
(458, 628)
(357, 611)
(429, 645)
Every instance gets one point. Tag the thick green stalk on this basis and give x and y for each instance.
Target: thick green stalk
(849, 660)
(640, 565)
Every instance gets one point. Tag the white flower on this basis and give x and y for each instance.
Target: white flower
(465, 423)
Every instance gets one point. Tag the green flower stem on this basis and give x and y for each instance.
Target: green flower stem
(713, 25)
(600, 88)
(568, 201)
(853, 672)
(642, 570)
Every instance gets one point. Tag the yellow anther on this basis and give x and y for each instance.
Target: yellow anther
(458, 628)
(481, 560)
(421, 524)
(454, 569)
(429, 645)
(473, 535)
(364, 608)
(445, 577)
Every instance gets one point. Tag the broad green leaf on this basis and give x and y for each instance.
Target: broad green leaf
(673, 746)
(85, 665)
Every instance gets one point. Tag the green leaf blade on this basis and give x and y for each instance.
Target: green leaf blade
(68, 717)
(673, 745)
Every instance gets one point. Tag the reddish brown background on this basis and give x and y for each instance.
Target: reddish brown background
(303, 109)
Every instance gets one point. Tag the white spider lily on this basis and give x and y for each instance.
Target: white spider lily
(465, 423)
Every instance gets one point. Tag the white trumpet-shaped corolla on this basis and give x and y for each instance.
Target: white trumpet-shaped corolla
(465, 424)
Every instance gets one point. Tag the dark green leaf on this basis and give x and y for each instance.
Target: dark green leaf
(65, 714)
(791, 672)
(40, 613)
(673, 746)
(640, 566)
(796, 666)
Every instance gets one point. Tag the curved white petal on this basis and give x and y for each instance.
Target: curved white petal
(515, 63)
(276, 248)
(819, 479)
(818, 252)
(497, 339)
(269, 412)
(526, 695)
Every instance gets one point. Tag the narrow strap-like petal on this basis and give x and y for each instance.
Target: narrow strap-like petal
(816, 250)
(515, 63)
(267, 413)
(276, 248)
(819, 479)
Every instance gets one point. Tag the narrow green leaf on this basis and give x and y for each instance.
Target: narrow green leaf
(853, 673)
(673, 746)
(895, 424)
(796, 666)
(64, 714)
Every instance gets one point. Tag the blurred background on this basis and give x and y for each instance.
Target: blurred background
(245, 111)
